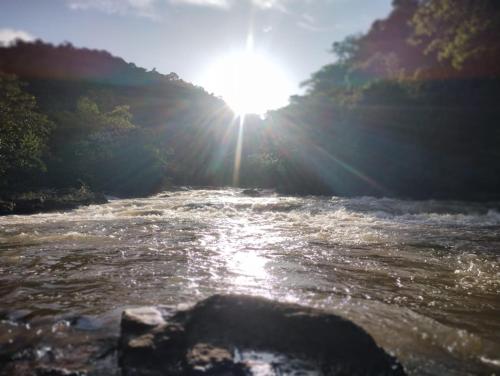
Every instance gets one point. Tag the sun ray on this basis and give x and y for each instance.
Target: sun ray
(237, 154)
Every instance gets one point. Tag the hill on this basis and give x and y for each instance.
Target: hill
(118, 127)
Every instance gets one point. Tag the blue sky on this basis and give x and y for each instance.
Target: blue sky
(186, 36)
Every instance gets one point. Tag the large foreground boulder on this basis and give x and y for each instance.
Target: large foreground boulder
(242, 335)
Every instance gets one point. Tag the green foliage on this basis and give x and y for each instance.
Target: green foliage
(429, 39)
(384, 119)
(134, 162)
(458, 31)
(119, 128)
(347, 49)
(395, 117)
(107, 151)
(87, 118)
(23, 132)
(262, 169)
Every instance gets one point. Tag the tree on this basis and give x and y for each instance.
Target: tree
(106, 151)
(459, 31)
(86, 137)
(23, 131)
(172, 76)
(347, 49)
(92, 119)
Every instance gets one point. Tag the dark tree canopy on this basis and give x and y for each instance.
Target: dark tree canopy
(428, 39)
(409, 108)
(23, 131)
(462, 33)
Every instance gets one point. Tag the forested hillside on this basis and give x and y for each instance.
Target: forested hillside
(107, 123)
(408, 109)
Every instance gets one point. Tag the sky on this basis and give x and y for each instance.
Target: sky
(190, 36)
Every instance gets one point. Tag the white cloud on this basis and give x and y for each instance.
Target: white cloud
(266, 4)
(208, 3)
(8, 36)
(311, 27)
(263, 4)
(310, 23)
(144, 8)
(149, 8)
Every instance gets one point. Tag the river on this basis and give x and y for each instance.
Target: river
(422, 277)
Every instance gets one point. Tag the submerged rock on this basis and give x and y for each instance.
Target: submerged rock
(213, 337)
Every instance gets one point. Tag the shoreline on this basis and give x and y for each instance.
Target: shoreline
(48, 200)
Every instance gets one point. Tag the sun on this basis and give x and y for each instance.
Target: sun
(249, 82)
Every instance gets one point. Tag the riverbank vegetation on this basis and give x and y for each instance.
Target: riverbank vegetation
(409, 109)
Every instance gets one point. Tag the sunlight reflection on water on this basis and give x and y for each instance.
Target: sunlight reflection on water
(422, 277)
(250, 267)
(241, 248)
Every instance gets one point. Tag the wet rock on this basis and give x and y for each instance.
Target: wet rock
(251, 192)
(48, 200)
(209, 338)
(6, 207)
(48, 371)
(205, 359)
(137, 320)
(147, 344)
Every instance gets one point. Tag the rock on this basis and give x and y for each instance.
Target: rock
(49, 371)
(251, 192)
(205, 359)
(6, 207)
(206, 338)
(137, 320)
(147, 344)
(48, 200)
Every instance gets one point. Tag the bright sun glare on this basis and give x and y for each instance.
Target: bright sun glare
(249, 82)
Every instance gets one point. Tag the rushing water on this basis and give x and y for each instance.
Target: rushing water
(423, 278)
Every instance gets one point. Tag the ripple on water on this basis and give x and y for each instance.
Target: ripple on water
(422, 277)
